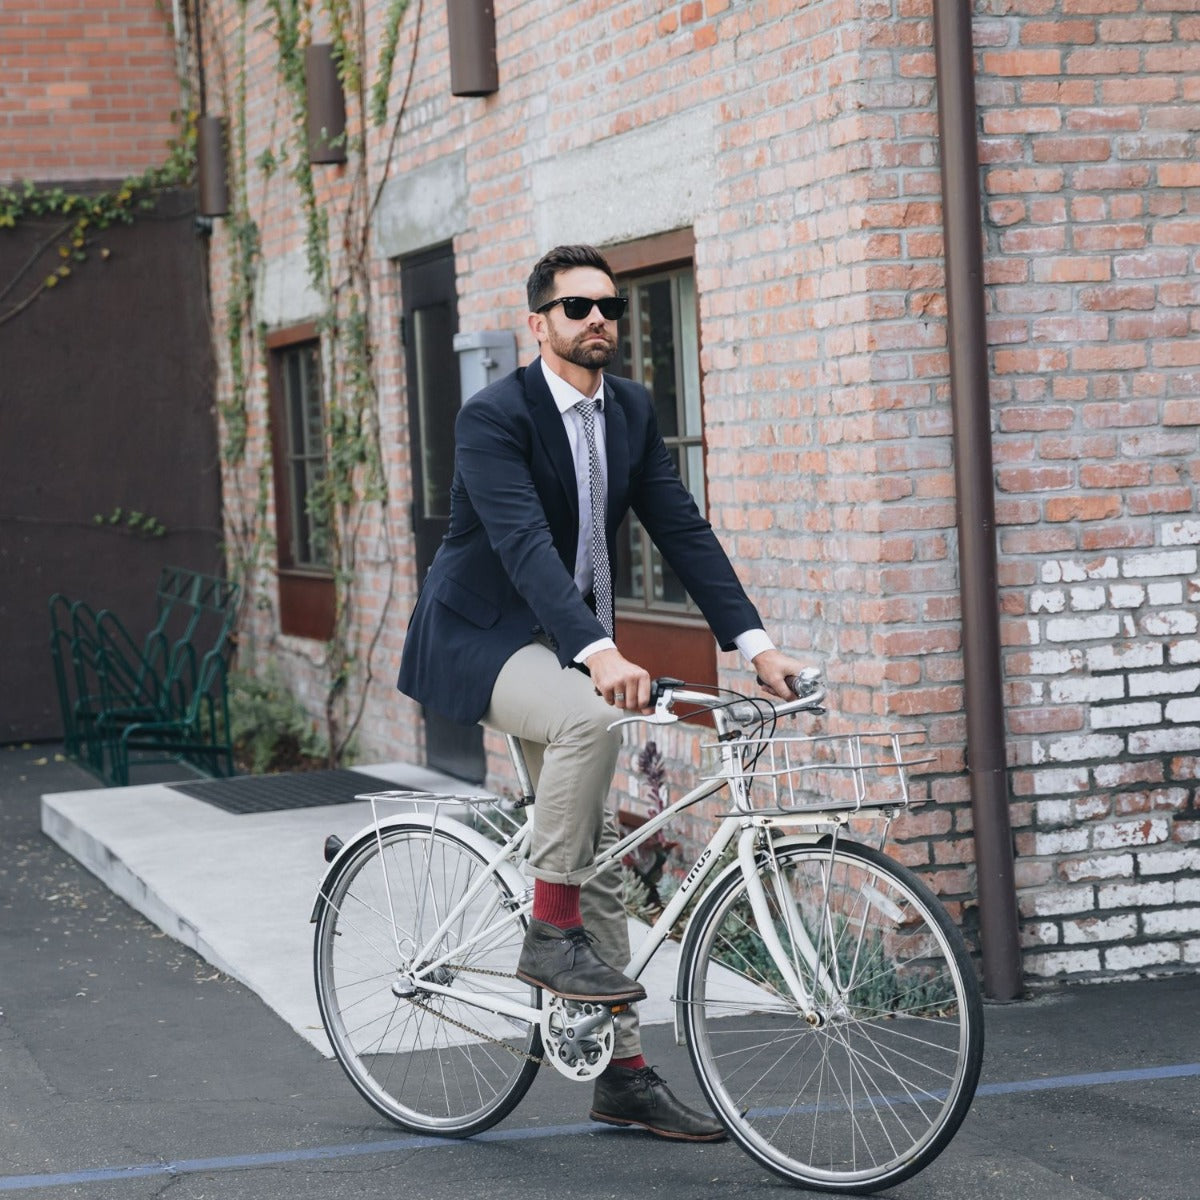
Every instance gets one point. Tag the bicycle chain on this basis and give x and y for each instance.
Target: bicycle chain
(479, 1033)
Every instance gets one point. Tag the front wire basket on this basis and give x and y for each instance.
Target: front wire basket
(827, 772)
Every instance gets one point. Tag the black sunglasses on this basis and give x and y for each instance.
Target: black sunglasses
(576, 308)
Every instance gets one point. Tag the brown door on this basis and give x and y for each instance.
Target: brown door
(427, 285)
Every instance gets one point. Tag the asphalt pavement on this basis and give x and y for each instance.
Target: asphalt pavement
(132, 1066)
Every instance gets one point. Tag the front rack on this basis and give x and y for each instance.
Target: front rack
(826, 772)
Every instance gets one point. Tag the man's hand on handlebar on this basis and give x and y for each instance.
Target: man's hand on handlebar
(774, 669)
(621, 683)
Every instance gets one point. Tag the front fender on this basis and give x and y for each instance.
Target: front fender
(506, 869)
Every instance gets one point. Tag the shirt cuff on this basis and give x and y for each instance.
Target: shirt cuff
(592, 647)
(752, 643)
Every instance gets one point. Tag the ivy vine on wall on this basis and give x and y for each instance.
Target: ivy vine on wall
(350, 499)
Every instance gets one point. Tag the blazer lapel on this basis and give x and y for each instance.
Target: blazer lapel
(549, 424)
(616, 438)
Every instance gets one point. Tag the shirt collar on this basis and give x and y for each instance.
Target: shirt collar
(566, 395)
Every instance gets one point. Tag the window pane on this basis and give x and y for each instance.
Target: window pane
(659, 347)
(432, 331)
(656, 351)
(310, 543)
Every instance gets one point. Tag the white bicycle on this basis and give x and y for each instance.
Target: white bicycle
(827, 1000)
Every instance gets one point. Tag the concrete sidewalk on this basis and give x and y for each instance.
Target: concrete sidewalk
(239, 888)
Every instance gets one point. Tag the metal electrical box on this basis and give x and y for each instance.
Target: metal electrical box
(484, 357)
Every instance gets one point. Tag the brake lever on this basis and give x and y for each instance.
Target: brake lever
(662, 714)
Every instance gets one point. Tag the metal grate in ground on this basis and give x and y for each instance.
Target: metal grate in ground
(277, 793)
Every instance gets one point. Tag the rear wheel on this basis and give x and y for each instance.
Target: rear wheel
(430, 1063)
(867, 1086)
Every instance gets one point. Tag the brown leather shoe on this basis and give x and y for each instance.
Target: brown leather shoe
(628, 1096)
(563, 962)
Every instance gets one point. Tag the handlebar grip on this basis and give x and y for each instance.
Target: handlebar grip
(662, 684)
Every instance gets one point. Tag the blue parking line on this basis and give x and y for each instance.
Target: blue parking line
(240, 1162)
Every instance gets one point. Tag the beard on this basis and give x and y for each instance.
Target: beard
(581, 350)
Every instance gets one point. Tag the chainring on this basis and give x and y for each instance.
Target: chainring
(577, 1036)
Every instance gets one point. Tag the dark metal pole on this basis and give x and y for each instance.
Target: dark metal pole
(976, 499)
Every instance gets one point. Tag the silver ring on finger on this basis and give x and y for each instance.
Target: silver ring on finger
(618, 695)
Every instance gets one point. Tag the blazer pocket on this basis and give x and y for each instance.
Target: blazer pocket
(470, 606)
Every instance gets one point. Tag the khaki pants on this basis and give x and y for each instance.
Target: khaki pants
(572, 755)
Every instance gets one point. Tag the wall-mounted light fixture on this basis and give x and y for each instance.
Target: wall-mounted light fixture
(212, 176)
(326, 105)
(472, 47)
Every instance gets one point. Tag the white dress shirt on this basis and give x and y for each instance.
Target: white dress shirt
(566, 396)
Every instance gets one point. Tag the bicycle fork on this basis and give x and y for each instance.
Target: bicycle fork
(799, 938)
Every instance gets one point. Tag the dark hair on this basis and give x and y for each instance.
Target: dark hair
(540, 286)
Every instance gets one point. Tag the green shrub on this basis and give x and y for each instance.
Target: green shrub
(271, 729)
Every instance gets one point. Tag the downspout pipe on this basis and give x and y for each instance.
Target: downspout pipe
(974, 488)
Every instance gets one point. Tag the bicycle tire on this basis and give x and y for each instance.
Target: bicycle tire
(409, 1055)
(872, 1094)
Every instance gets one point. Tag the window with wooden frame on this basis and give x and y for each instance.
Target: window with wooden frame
(659, 625)
(298, 443)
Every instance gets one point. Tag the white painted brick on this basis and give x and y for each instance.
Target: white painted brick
(1097, 929)
(1181, 533)
(1122, 716)
(1187, 891)
(1179, 711)
(1087, 599)
(1191, 951)
(1057, 662)
(1040, 933)
(1102, 866)
(1133, 895)
(1062, 962)
(1167, 624)
(1055, 812)
(1069, 571)
(1062, 841)
(1055, 781)
(1084, 746)
(1090, 808)
(1163, 683)
(1127, 958)
(1161, 562)
(1047, 601)
(1184, 652)
(1053, 902)
(1159, 741)
(1145, 832)
(1124, 657)
(1087, 689)
(1172, 920)
(1165, 593)
(1169, 862)
(1104, 626)
(1126, 595)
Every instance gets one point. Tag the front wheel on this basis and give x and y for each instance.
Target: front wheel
(866, 1085)
(430, 1062)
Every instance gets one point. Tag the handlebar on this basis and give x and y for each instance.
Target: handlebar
(665, 692)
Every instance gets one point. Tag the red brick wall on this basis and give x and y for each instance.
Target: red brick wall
(89, 89)
(823, 333)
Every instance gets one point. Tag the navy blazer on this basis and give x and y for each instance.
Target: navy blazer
(504, 573)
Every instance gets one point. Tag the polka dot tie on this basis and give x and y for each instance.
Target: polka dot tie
(601, 572)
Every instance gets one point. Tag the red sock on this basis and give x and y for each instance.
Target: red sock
(636, 1063)
(556, 904)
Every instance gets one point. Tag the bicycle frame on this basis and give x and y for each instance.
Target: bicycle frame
(743, 824)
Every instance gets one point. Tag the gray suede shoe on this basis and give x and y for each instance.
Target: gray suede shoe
(563, 962)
